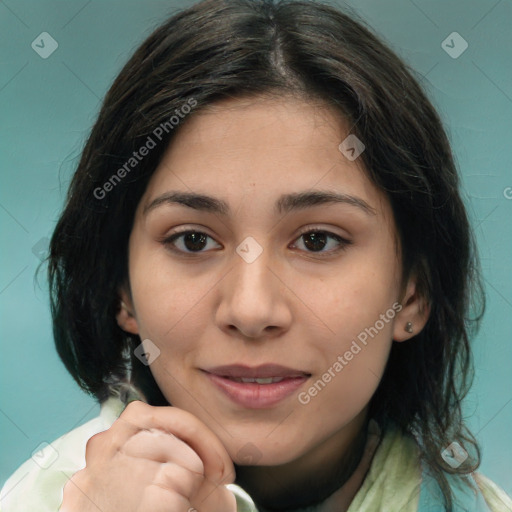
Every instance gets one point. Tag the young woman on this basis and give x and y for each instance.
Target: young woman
(263, 272)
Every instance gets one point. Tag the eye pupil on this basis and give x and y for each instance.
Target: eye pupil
(195, 242)
(198, 241)
(315, 241)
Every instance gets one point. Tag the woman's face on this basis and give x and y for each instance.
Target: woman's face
(251, 287)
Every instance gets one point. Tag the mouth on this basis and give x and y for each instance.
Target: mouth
(264, 371)
(256, 387)
(260, 380)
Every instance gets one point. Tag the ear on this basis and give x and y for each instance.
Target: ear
(126, 315)
(415, 309)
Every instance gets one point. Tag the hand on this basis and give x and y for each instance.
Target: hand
(153, 459)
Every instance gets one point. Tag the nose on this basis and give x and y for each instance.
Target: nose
(254, 299)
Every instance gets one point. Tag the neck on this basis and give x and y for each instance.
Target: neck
(308, 480)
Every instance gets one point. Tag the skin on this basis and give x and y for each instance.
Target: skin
(291, 306)
(152, 458)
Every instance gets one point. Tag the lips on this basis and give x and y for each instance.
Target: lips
(264, 371)
(257, 387)
(260, 380)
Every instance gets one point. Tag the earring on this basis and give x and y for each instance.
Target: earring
(408, 327)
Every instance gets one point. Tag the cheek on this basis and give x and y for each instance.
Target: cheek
(351, 300)
(354, 317)
(167, 299)
(349, 370)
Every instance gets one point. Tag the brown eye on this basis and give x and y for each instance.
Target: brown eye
(192, 241)
(316, 241)
(319, 242)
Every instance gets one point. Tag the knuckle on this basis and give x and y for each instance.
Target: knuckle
(178, 479)
(92, 443)
(160, 499)
(137, 411)
(134, 408)
(119, 435)
(75, 487)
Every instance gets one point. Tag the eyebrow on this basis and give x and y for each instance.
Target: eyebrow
(285, 203)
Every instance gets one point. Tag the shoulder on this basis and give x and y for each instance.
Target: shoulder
(399, 480)
(39, 482)
(471, 492)
(496, 498)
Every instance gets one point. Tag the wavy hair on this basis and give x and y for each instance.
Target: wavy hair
(219, 49)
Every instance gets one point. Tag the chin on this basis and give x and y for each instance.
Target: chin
(263, 453)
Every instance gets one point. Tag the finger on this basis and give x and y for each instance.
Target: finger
(214, 498)
(160, 446)
(130, 475)
(160, 499)
(218, 466)
(178, 479)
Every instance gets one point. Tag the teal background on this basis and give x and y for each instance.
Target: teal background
(48, 106)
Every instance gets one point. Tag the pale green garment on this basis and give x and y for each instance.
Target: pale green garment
(391, 485)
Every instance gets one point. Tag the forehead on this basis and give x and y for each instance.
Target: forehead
(259, 149)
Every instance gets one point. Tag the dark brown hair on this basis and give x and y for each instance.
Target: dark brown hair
(223, 49)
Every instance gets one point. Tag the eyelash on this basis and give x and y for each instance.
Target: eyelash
(343, 242)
